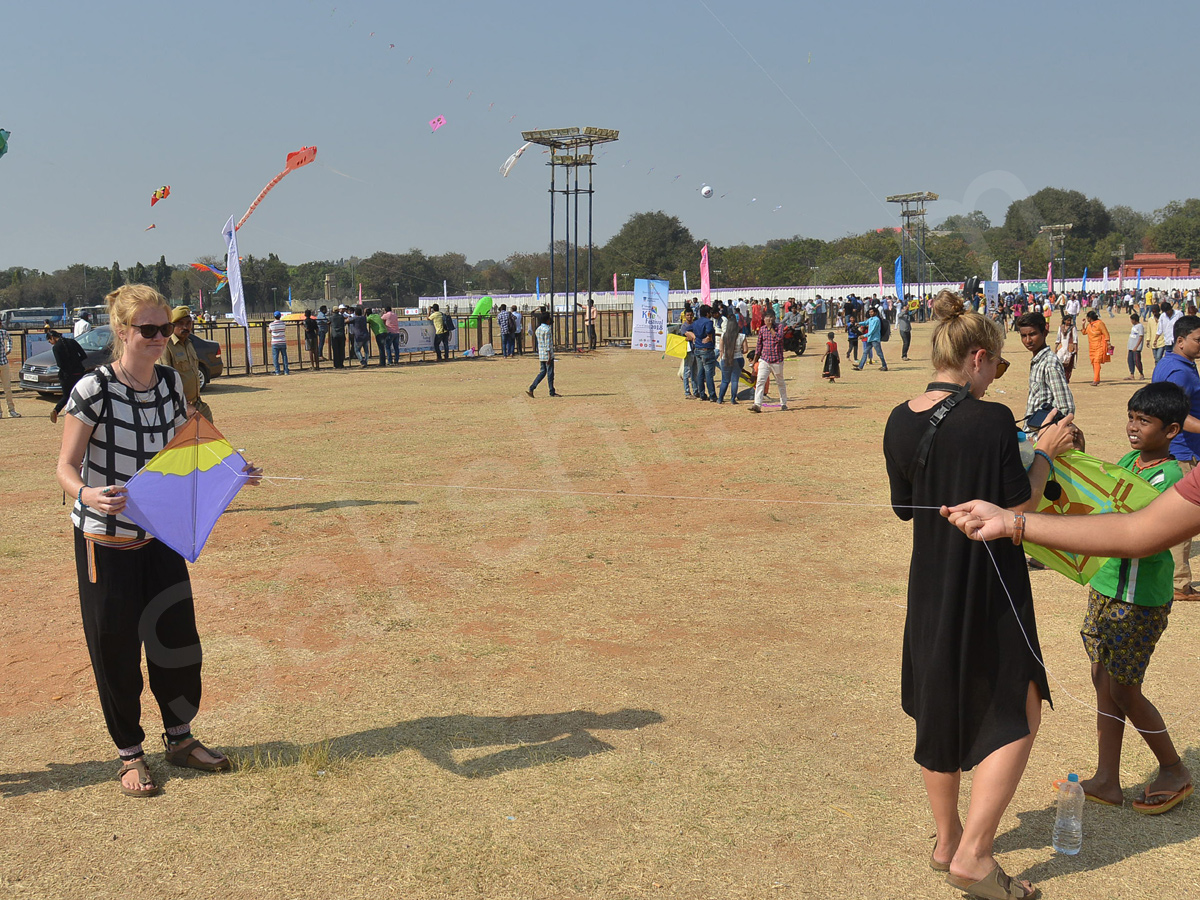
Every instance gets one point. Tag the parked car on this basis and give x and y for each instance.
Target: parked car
(40, 372)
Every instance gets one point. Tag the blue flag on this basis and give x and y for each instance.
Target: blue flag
(900, 278)
(1084, 288)
(1139, 283)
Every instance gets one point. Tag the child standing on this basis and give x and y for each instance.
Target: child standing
(1128, 604)
(851, 337)
(833, 364)
(1137, 340)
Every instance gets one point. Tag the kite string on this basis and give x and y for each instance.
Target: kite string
(639, 496)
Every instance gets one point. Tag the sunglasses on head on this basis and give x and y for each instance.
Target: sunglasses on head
(150, 332)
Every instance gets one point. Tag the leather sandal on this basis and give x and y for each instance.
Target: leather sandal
(137, 765)
(996, 885)
(185, 756)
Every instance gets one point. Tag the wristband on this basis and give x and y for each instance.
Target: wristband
(79, 496)
(1018, 528)
(1046, 456)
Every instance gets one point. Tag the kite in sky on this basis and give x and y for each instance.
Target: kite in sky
(437, 122)
(161, 194)
(179, 495)
(295, 160)
(3, 141)
(512, 160)
(222, 278)
(1089, 487)
(148, 227)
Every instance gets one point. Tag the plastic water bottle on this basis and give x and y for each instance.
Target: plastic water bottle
(1025, 445)
(1068, 824)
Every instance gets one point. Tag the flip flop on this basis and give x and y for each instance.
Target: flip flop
(994, 886)
(1091, 798)
(1173, 799)
(934, 864)
(138, 765)
(185, 757)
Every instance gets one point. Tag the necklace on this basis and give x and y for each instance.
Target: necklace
(154, 425)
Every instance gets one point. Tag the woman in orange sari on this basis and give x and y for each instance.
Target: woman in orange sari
(1098, 343)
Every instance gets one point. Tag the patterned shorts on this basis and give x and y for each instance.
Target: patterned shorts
(1121, 636)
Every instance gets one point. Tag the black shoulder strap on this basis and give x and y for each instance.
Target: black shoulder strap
(105, 405)
(167, 374)
(938, 415)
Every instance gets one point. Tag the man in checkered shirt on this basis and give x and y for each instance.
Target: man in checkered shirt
(1048, 387)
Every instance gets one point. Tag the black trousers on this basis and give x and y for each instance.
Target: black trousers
(68, 383)
(337, 346)
(140, 596)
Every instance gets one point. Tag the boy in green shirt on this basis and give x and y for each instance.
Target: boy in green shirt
(1128, 604)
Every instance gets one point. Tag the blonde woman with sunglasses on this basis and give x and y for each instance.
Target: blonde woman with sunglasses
(133, 589)
(968, 677)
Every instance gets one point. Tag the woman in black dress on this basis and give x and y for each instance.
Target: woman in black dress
(969, 678)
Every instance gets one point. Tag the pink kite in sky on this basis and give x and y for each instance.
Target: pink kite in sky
(437, 122)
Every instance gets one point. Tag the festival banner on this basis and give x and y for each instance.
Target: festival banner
(899, 278)
(1104, 286)
(233, 273)
(991, 296)
(705, 286)
(649, 314)
(881, 282)
(615, 292)
(1089, 487)
(1050, 275)
(417, 337)
(995, 270)
(1139, 282)
(1084, 288)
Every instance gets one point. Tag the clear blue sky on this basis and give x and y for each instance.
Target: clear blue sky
(106, 102)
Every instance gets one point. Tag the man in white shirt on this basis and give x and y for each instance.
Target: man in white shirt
(1072, 306)
(1165, 333)
(83, 324)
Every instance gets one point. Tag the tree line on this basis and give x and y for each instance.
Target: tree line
(658, 244)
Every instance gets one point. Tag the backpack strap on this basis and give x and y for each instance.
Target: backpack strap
(939, 413)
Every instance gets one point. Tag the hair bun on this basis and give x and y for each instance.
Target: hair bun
(948, 305)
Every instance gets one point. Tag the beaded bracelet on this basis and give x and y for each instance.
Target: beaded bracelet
(79, 496)
(1018, 528)
(1046, 456)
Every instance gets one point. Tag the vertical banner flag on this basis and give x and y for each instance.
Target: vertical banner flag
(201, 293)
(991, 296)
(1104, 286)
(1050, 277)
(685, 287)
(650, 314)
(445, 290)
(537, 286)
(995, 270)
(900, 277)
(1139, 282)
(615, 292)
(1084, 288)
(705, 284)
(881, 282)
(233, 272)
(1018, 273)
(360, 293)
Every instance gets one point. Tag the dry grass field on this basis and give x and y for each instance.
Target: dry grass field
(570, 688)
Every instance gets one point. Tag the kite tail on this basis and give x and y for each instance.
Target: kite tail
(257, 200)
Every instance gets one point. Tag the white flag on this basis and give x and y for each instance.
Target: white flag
(995, 270)
(1105, 286)
(233, 272)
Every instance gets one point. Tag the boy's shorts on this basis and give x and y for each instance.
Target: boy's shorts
(1121, 636)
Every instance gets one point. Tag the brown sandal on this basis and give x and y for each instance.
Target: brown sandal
(185, 757)
(137, 765)
(996, 885)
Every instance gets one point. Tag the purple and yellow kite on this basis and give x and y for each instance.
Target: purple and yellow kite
(179, 495)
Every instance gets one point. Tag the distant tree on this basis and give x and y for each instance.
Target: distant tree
(1055, 206)
(653, 243)
(137, 275)
(162, 277)
(1178, 230)
(115, 278)
(974, 222)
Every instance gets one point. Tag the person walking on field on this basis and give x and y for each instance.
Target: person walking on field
(70, 359)
(545, 349)
(5, 380)
(441, 333)
(1098, 343)
(770, 361)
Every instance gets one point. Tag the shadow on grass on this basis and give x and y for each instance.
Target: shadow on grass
(1110, 834)
(229, 387)
(320, 507)
(514, 742)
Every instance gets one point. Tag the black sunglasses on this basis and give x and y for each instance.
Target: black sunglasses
(150, 332)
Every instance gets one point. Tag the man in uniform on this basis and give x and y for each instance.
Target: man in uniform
(180, 355)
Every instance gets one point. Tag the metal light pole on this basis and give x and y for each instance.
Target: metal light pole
(396, 288)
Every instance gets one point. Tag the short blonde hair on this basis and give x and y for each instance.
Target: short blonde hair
(123, 304)
(960, 332)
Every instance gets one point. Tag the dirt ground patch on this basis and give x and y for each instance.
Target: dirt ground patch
(436, 689)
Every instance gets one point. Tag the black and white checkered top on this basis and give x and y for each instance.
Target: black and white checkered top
(129, 428)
